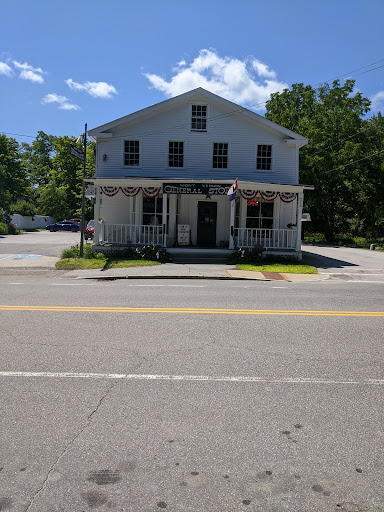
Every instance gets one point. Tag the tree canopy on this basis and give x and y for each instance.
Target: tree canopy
(342, 159)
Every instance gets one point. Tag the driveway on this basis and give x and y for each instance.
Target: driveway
(346, 262)
(37, 249)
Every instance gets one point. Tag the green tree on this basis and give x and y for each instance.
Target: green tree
(331, 117)
(37, 158)
(13, 181)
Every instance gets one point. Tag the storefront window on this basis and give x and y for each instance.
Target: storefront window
(153, 211)
(259, 214)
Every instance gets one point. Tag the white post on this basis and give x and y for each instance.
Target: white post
(165, 224)
(97, 227)
(299, 214)
(232, 224)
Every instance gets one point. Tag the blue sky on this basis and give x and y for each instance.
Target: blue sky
(64, 64)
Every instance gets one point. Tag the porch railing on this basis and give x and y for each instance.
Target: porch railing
(126, 234)
(268, 238)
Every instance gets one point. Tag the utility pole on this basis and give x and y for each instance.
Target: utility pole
(82, 224)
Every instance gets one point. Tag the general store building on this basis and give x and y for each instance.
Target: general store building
(163, 174)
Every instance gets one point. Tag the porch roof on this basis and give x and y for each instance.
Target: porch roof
(156, 182)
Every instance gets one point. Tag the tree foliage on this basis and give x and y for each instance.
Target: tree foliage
(43, 177)
(348, 196)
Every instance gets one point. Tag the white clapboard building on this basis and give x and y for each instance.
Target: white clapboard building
(163, 175)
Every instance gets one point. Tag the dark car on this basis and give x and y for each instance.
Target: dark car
(64, 225)
(89, 232)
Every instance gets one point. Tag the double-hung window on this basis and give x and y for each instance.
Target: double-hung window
(132, 153)
(220, 155)
(176, 154)
(259, 214)
(264, 157)
(199, 118)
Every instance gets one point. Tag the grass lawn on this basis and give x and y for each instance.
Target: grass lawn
(281, 268)
(84, 264)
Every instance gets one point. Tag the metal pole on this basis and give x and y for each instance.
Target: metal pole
(83, 196)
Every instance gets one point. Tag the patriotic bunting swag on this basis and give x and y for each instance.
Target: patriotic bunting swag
(268, 196)
(109, 191)
(151, 191)
(130, 191)
(248, 194)
(286, 197)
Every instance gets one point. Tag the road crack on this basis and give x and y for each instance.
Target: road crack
(68, 447)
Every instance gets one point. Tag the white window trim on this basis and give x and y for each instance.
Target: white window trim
(127, 139)
(184, 154)
(216, 169)
(272, 156)
(202, 104)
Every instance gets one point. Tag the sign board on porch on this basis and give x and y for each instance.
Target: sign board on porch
(90, 192)
(216, 189)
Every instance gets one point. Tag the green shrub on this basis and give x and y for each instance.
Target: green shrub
(3, 228)
(246, 255)
(8, 229)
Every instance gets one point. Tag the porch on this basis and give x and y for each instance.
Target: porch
(246, 238)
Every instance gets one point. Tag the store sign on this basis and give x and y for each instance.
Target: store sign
(215, 189)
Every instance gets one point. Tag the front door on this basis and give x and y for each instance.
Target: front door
(206, 223)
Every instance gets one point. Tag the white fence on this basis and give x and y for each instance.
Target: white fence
(35, 222)
(126, 234)
(267, 238)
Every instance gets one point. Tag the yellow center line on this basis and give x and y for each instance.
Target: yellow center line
(212, 311)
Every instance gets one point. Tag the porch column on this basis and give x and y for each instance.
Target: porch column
(299, 214)
(97, 227)
(232, 224)
(165, 226)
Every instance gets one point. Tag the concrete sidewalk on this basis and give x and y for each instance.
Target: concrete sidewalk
(189, 271)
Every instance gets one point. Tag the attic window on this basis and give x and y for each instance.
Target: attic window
(199, 118)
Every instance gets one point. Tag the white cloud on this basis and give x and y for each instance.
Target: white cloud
(95, 89)
(28, 72)
(377, 101)
(62, 101)
(248, 82)
(5, 69)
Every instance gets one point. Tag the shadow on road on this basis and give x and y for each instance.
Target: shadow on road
(324, 262)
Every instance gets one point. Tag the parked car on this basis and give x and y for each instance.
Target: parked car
(89, 232)
(76, 221)
(64, 225)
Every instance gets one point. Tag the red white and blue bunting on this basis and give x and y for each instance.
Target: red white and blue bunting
(248, 194)
(268, 195)
(286, 197)
(109, 191)
(130, 191)
(151, 191)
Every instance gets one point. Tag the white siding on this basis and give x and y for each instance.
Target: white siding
(156, 130)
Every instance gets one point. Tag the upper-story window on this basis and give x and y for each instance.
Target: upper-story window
(264, 157)
(199, 118)
(132, 152)
(176, 154)
(220, 155)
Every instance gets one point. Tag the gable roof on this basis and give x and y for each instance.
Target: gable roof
(188, 96)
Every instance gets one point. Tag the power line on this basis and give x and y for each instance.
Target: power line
(354, 162)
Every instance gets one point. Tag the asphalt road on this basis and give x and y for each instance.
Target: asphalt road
(234, 396)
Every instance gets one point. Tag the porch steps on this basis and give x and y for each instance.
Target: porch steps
(199, 256)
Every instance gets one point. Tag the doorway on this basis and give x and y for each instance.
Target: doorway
(206, 223)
